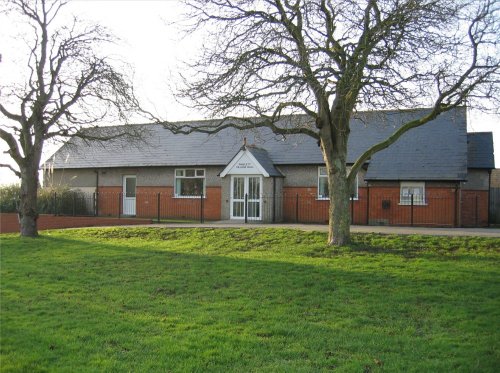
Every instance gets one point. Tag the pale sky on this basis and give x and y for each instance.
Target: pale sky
(155, 49)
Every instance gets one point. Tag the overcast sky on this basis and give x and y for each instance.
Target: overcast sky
(152, 44)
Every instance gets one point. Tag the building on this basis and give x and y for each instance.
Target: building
(434, 175)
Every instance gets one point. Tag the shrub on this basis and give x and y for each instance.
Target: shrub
(55, 200)
(9, 197)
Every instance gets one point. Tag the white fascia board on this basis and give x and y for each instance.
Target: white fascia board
(237, 158)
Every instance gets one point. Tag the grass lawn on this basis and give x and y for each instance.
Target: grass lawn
(247, 300)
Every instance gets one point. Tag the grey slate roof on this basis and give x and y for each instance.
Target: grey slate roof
(480, 150)
(435, 151)
(263, 158)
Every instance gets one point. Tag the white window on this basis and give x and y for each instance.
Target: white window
(189, 182)
(417, 189)
(323, 185)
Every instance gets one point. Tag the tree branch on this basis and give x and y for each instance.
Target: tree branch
(16, 172)
(13, 147)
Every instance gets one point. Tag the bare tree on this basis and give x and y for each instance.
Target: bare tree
(327, 59)
(69, 87)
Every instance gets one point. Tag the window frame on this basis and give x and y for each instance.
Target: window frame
(327, 198)
(412, 184)
(196, 176)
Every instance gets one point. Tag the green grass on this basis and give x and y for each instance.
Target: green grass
(247, 300)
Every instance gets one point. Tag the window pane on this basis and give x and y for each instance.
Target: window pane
(416, 190)
(200, 172)
(189, 173)
(253, 209)
(238, 188)
(179, 172)
(322, 171)
(254, 188)
(130, 187)
(238, 209)
(189, 187)
(323, 187)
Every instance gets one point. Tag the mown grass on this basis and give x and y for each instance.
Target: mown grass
(247, 300)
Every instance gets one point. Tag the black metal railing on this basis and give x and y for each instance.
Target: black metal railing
(452, 210)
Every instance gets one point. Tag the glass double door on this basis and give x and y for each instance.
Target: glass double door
(249, 186)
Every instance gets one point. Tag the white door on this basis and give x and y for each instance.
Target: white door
(250, 186)
(129, 183)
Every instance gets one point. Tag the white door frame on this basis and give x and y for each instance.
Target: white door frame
(246, 183)
(129, 202)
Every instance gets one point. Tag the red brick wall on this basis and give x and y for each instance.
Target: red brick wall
(312, 210)
(9, 222)
(439, 209)
(474, 208)
(110, 200)
(182, 208)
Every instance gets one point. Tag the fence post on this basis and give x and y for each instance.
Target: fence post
(246, 208)
(297, 207)
(119, 204)
(158, 207)
(202, 217)
(411, 210)
(55, 203)
(476, 211)
(74, 203)
(352, 208)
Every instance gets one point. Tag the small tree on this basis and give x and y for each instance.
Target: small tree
(69, 87)
(327, 58)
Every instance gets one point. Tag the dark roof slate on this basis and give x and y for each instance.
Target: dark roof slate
(435, 151)
(480, 150)
(263, 158)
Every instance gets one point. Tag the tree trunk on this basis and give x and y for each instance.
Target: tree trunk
(334, 138)
(339, 220)
(28, 214)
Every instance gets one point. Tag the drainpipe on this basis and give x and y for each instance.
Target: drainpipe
(458, 203)
(96, 199)
(367, 203)
(489, 195)
(274, 199)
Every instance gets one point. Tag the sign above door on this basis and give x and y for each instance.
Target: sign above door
(251, 161)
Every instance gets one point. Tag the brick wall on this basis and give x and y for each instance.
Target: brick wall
(474, 208)
(170, 207)
(109, 201)
(181, 208)
(439, 208)
(309, 209)
(9, 222)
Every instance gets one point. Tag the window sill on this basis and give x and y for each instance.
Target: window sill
(414, 204)
(327, 199)
(189, 197)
